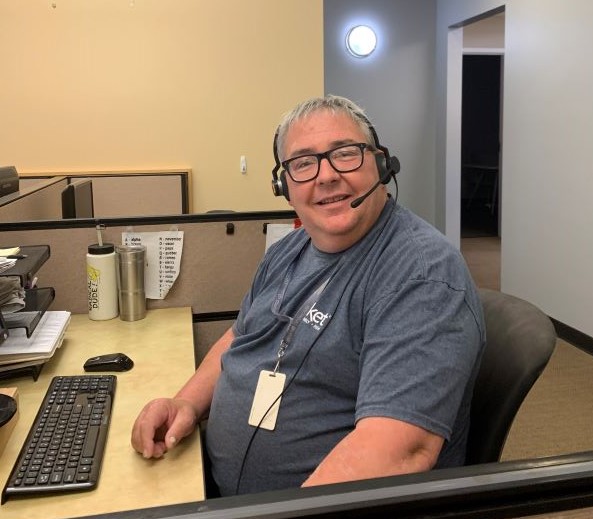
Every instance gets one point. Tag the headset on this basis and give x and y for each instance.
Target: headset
(387, 165)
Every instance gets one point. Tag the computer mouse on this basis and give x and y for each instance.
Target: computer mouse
(109, 362)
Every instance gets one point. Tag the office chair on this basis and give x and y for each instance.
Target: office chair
(520, 339)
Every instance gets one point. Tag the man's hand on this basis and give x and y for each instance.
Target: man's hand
(165, 421)
(161, 425)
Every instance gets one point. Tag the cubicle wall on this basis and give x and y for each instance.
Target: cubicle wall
(116, 194)
(41, 200)
(220, 255)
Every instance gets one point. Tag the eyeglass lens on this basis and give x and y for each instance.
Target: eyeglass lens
(343, 159)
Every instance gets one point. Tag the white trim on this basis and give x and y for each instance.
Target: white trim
(453, 136)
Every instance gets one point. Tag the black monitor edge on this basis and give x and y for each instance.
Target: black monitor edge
(495, 490)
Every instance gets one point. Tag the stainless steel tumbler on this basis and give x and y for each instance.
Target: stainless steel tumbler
(131, 260)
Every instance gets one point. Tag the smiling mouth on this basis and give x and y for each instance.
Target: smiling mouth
(332, 200)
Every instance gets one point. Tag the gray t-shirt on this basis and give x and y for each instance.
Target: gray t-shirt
(397, 332)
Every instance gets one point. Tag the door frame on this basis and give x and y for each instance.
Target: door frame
(455, 52)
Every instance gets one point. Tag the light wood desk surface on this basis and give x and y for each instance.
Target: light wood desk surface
(581, 513)
(161, 346)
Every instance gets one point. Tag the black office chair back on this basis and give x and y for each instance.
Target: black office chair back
(520, 339)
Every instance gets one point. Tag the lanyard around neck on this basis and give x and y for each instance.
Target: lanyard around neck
(295, 320)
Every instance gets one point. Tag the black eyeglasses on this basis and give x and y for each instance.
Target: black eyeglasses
(343, 159)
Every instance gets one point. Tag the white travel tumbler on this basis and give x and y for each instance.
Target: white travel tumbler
(102, 281)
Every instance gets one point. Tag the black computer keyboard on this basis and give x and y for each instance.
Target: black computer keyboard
(64, 448)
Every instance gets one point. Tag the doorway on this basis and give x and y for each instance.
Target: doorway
(482, 35)
(480, 145)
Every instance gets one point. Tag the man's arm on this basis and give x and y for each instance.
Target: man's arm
(378, 447)
(164, 421)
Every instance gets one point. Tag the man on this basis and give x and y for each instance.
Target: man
(356, 349)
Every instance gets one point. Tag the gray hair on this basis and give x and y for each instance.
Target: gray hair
(331, 103)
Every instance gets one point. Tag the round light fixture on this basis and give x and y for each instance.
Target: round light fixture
(361, 41)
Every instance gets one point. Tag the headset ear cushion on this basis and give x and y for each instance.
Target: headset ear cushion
(284, 184)
(394, 165)
(382, 168)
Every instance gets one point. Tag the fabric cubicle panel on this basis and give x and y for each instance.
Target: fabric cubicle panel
(215, 272)
(40, 201)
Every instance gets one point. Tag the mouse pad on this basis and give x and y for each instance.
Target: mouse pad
(7, 408)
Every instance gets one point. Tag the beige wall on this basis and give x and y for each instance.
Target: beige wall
(157, 84)
(485, 34)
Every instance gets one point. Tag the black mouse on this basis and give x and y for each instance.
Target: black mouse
(109, 362)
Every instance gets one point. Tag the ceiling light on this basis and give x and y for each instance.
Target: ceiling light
(361, 41)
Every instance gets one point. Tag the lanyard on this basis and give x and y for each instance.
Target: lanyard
(313, 298)
(296, 319)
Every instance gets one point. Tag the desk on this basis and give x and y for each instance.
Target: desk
(581, 513)
(127, 480)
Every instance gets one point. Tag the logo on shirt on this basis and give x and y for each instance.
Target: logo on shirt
(316, 318)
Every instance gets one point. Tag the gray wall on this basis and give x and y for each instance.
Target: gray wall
(547, 248)
(395, 85)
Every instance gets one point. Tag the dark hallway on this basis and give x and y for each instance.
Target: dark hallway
(480, 133)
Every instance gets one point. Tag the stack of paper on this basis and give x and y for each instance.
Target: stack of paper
(18, 351)
(12, 294)
(11, 251)
(6, 263)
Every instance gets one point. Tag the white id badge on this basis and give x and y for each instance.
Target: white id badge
(266, 400)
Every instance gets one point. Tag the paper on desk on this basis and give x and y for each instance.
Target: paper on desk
(12, 294)
(6, 263)
(44, 340)
(10, 251)
(163, 258)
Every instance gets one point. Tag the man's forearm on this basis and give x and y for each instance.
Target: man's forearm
(378, 447)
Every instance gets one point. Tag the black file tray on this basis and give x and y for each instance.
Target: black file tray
(32, 371)
(37, 301)
(26, 268)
